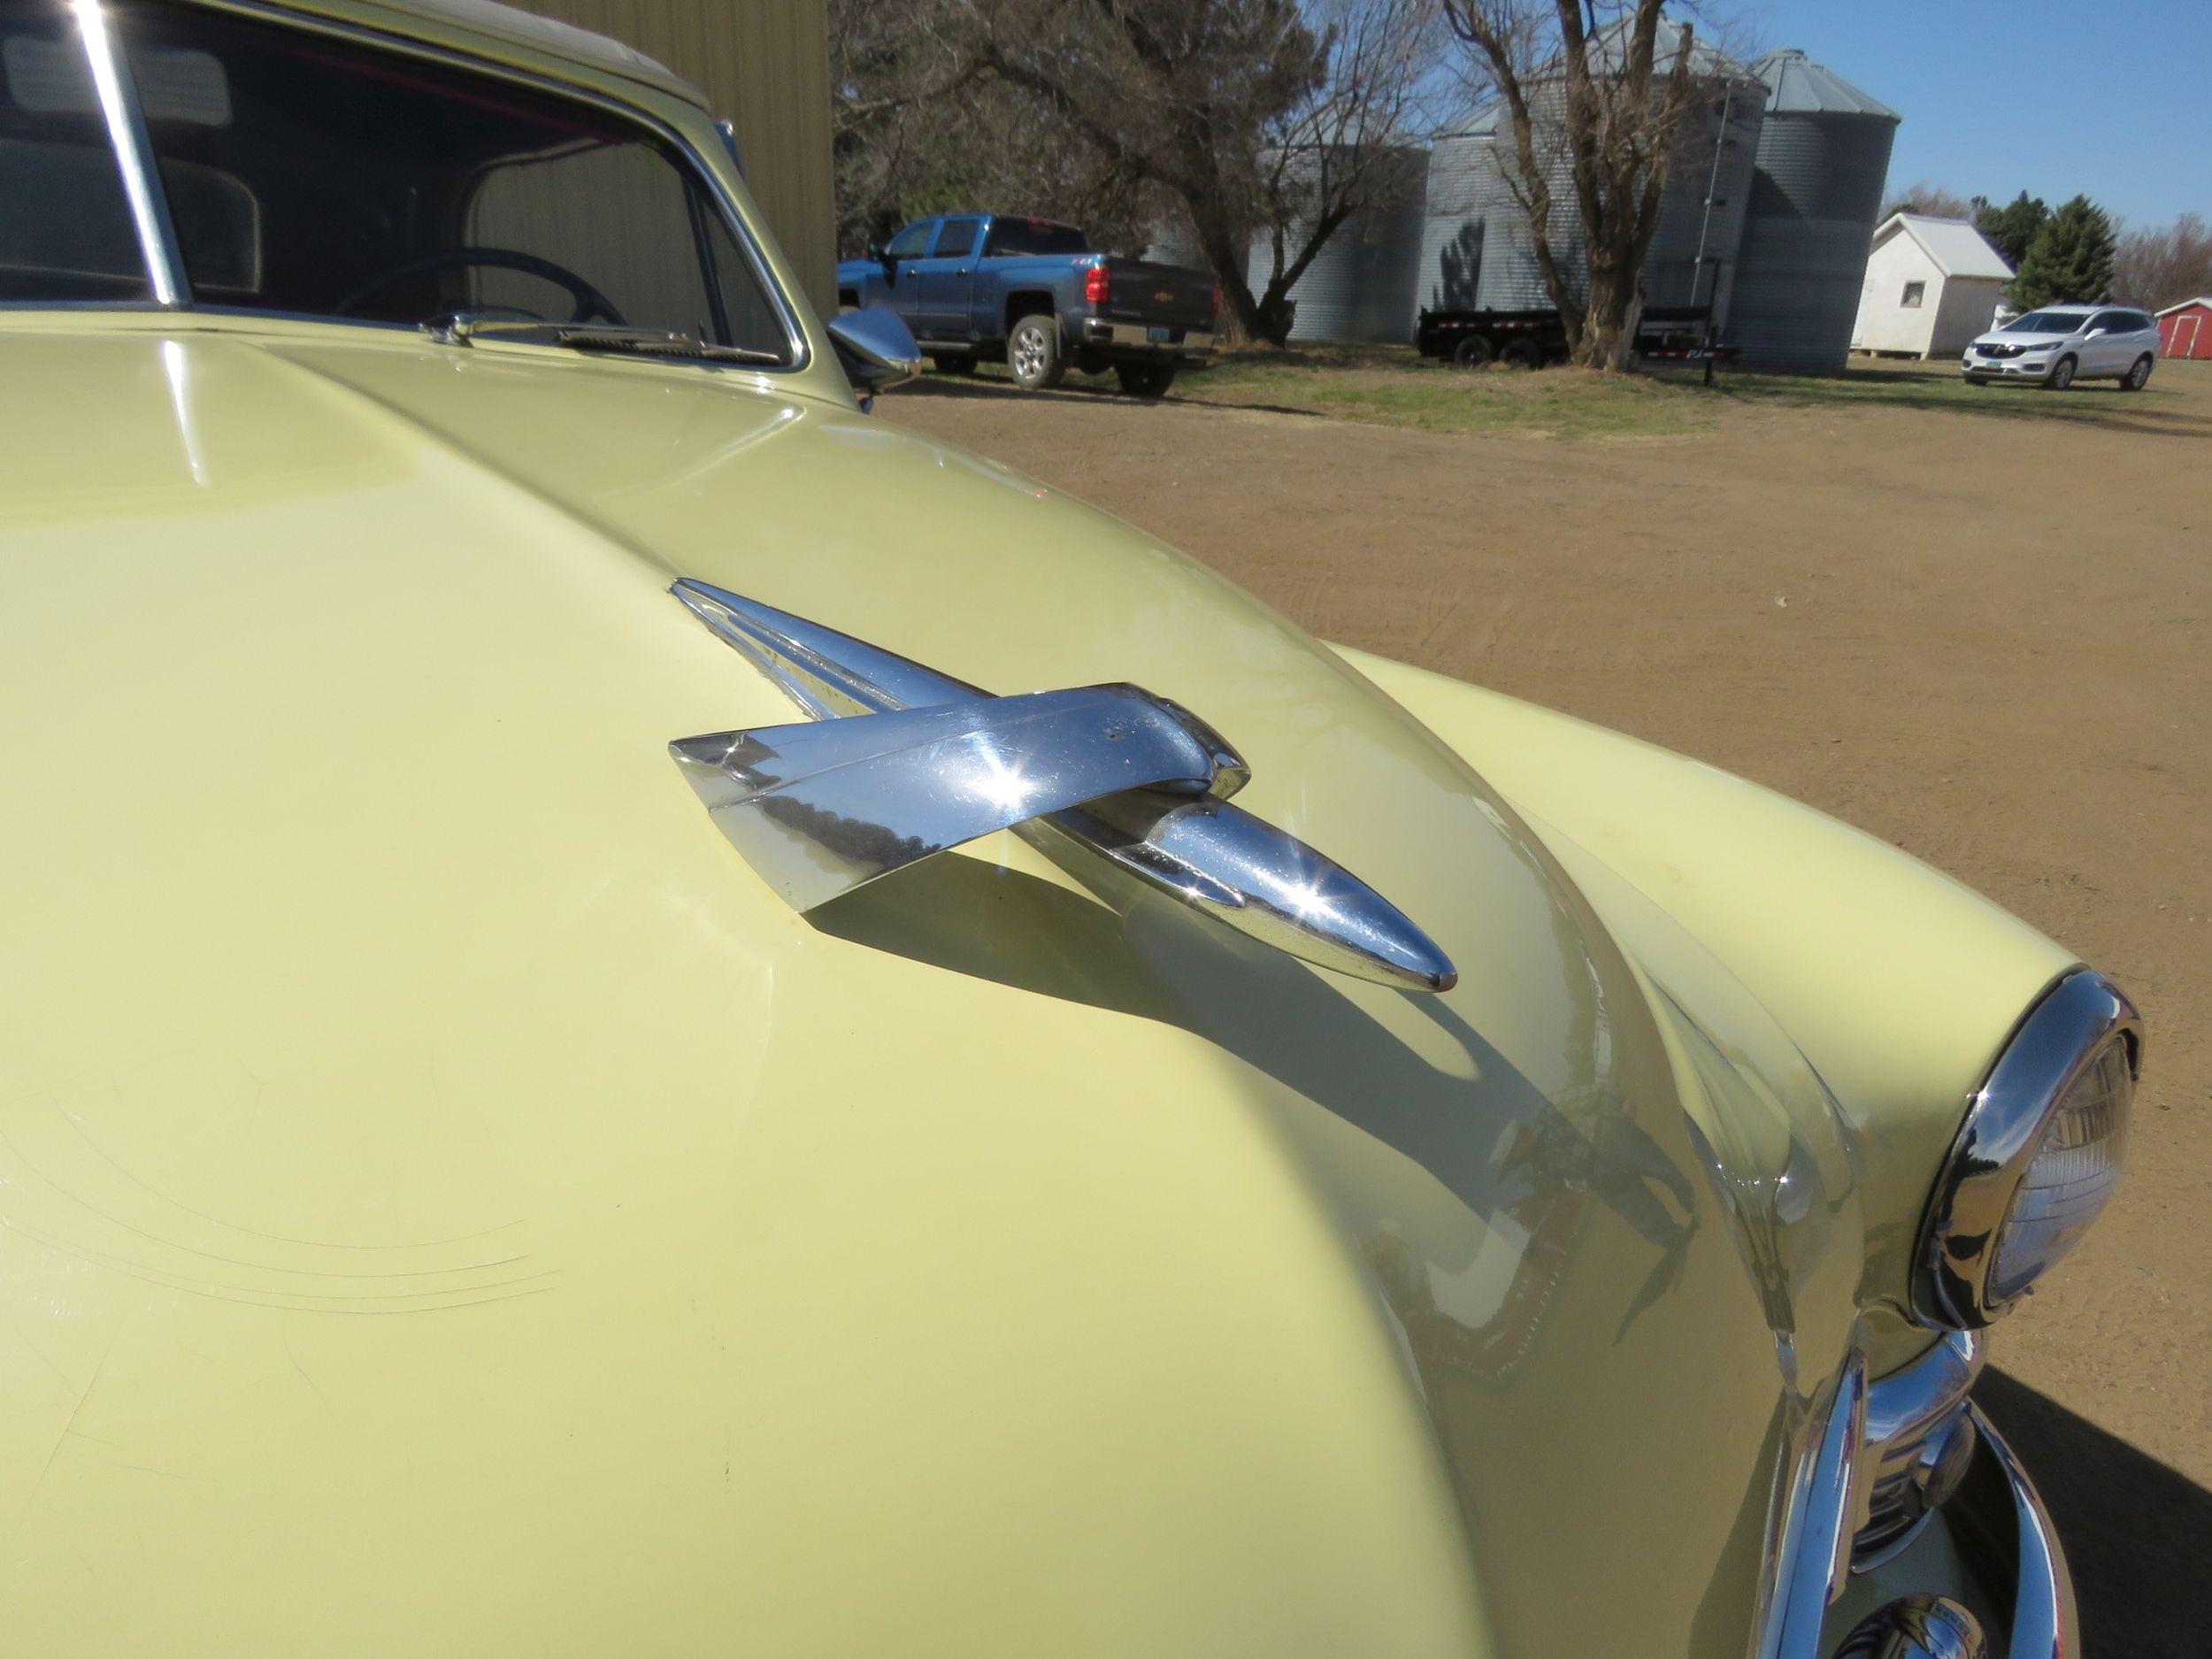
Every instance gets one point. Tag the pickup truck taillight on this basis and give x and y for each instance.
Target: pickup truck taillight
(1097, 286)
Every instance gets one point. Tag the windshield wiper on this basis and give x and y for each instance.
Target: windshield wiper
(459, 329)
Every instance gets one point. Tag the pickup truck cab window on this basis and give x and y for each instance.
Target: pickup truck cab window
(955, 240)
(309, 174)
(912, 242)
(1015, 238)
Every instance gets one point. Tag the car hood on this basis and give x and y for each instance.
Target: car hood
(450, 1206)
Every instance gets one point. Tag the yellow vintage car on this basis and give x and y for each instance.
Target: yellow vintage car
(650, 1016)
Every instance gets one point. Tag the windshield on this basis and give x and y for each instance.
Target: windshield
(308, 174)
(1034, 236)
(2046, 323)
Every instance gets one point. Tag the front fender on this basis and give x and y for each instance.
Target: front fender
(1898, 983)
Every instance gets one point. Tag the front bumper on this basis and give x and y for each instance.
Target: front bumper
(1137, 338)
(1992, 1548)
(2007, 368)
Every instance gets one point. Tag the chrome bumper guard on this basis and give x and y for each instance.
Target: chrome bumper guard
(2000, 1519)
(1096, 331)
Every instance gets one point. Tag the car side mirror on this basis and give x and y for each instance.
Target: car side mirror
(876, 350)
(2096, 333)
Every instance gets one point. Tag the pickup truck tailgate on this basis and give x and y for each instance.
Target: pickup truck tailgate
(1164, 296)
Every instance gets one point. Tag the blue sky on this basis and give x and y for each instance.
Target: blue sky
(2113, 100)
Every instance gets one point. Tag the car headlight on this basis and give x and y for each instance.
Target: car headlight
(2038, 1157)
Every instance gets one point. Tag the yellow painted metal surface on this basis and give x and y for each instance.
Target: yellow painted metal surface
(441, 1182)
(449, 1207)
(1899, 983)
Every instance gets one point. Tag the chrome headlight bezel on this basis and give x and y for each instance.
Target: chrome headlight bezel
(2060, 1037)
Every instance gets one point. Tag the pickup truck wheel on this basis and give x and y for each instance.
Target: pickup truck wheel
(1033, 351)
(1474, 352)
(954, 365)
(1145, 379)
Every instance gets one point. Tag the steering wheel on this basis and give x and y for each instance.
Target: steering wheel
(590, 304)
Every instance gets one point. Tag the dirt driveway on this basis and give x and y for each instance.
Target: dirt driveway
(1986, 638)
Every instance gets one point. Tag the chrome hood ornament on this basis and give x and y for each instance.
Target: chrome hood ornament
(902, 762)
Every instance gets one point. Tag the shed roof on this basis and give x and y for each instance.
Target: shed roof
(1798, 86)
(2204, 300)
(1955, 245)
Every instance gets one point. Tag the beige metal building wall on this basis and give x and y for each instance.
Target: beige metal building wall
(764, 67)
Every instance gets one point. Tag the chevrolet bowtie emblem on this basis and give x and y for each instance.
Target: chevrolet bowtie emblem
(899, 762)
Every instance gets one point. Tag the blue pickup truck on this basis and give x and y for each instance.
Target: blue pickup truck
(990, 288)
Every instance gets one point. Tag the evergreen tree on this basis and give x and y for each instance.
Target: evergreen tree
(2070, 258)
(2012, 229)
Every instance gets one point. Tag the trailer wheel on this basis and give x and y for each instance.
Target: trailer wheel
(1521, 354)
(1145, 379)
(1473, 352)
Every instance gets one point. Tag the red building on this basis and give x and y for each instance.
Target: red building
(2185, 330)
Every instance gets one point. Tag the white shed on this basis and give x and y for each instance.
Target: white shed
(1932, 285)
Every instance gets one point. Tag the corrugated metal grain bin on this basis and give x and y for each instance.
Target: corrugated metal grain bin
(1462, 183)
(1823, 159)
(1692, 256)
(766, 70)
(1360, 286)
(1477, 247)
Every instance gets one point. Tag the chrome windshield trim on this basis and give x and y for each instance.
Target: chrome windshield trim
(2059, 1036)
(795, 335)
(134, 154)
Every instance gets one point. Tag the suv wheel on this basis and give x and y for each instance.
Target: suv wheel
(1145, 379)
(1033, 351)
(2139, 376)
(2061, 375)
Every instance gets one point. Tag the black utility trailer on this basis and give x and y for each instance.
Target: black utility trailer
(1536, 339)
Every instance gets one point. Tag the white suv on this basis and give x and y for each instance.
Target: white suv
(2059, 344)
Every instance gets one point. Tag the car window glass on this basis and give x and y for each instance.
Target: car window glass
(956, 240)
(2045, 323)
(65, 231)
(909, 243)
(1023, 236)
(310, 175)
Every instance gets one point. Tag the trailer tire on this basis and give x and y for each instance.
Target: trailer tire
(1145, 379)
(1474, 351)
(1521, 354)
(1034, 354)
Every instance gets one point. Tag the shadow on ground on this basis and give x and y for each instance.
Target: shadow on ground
(2137, 1534)
(1074, 391)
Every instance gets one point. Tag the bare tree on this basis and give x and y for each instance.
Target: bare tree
(1175, 92)
(1343, 147)
(1596, 104)
(1933, 200)
(920, 125)
(2161, 267)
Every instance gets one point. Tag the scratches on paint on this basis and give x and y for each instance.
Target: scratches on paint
(62, 1189)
